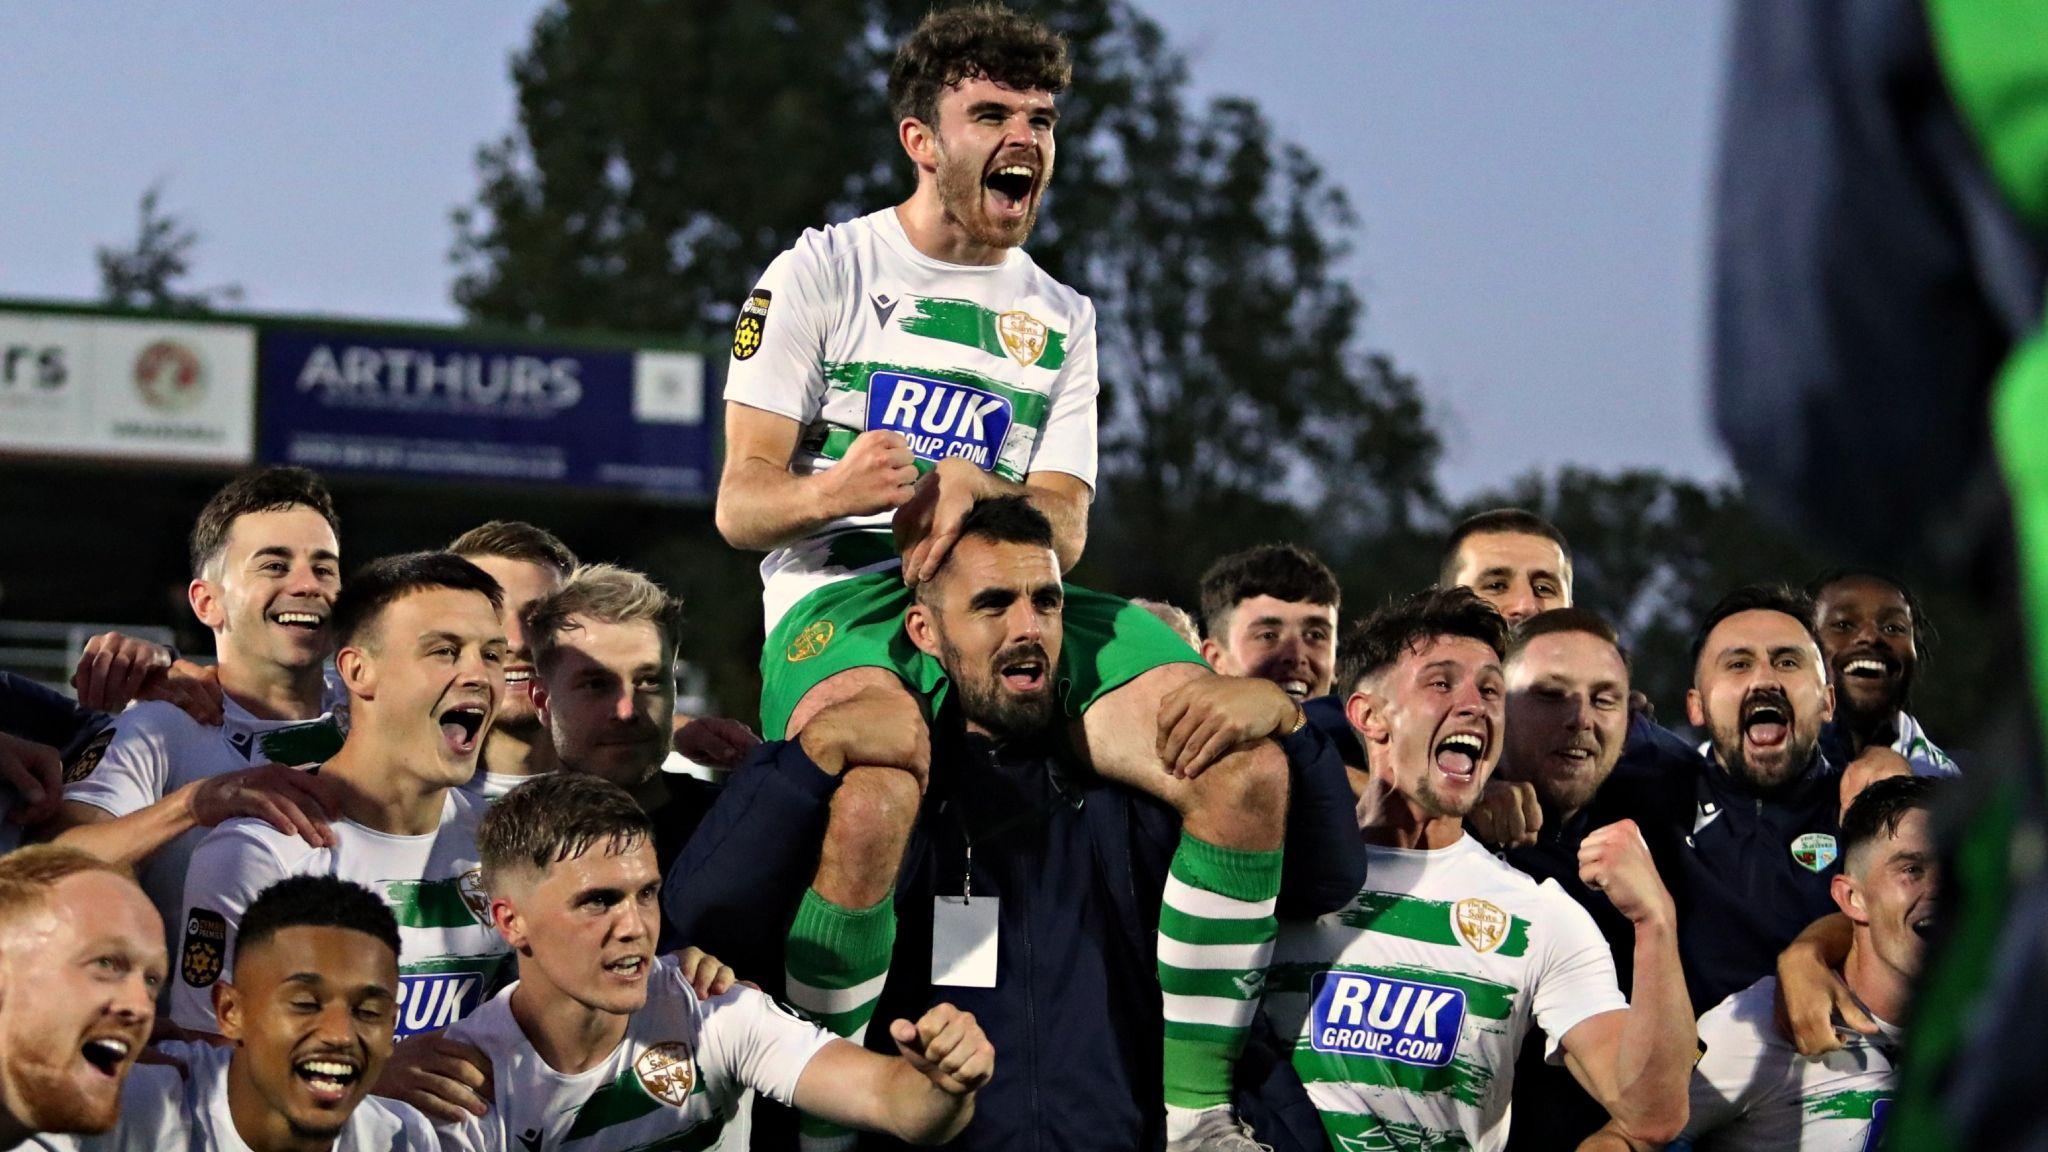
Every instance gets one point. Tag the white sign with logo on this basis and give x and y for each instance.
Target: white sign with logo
(152, 389)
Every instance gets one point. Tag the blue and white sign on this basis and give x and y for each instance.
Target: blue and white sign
(941, 419)
(443, 407)
(1360, 1014)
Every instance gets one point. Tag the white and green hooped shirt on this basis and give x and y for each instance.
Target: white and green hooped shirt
(854, 329)
(1753, 1092)
(673, 1084)
(450, 958)
(1409, 1005)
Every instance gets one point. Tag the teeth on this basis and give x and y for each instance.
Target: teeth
(306, 618)
(118, 1048)
(1876, 666)
(1014, 170)
(332, 1069)
(1464, 741)
(519, 677)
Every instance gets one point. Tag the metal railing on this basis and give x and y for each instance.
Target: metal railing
(48, 651)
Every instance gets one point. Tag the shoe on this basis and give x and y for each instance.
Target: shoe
(1218, 1131)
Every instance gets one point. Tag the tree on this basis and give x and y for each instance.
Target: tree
(147, 275)
(664, 154)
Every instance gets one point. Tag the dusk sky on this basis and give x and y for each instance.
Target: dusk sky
(1530, 178)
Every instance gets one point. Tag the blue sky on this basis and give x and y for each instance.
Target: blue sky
(1531, 178)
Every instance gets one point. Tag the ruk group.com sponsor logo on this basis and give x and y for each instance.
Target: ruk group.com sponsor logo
(939, 418)
(1362, 1014)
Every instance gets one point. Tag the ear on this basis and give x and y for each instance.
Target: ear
(227, 1010)
(539, 688)
(357, 671)
(509, 923)
(1367, 714)
(1827, 698)
(922, 628)
(1215, 654)
(1849, 898)
(205, 601)
(1695, 708)
(920, 142)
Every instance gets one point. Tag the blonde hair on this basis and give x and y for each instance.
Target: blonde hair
(28, 875)
(607, 594)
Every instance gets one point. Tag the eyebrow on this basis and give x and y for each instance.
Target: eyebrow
(284, 553)
(981, 107)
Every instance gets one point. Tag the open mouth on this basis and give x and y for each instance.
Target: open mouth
(1010, 187)
(1766, 724)
(518, 677)
(329, 1077)
(299, 621)
(627, 967)
(1024, 673)
(106, 1054)
(1296, 690)
(1868, 668)
(1578, 755)
(1458, 754)
(461, 726)
(1922, 926)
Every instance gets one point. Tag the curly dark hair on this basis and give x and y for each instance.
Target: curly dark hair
(982, 40)
(316, 902)
(1378, 642)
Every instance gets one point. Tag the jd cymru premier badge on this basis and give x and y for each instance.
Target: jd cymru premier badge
(753, 321)
(1814, 851)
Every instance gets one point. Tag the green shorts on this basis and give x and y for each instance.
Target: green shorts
(858, 623)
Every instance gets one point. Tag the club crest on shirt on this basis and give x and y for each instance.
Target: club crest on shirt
(1480, 924)
(753, 321)
(88, 757)
(667, 1072)
(1023, 336)
(1814, 851)
(206, 946)
(471, 885)
(810, 642)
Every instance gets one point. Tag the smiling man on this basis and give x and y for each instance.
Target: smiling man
(422, 654)
(1271, 612)
(1752, 1090)
(308, 1017)
(81, 960)
(266, 567)
(1873, 635)
(602, 1046)
(1405, 1009)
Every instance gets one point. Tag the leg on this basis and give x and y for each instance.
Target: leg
(1216, 928)
(840, 943)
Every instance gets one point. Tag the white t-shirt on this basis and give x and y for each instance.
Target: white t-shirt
(165, 1110)
(489, 786)
(683, 1065)
(1923, 754)
(1753, 1092)
(450, 957)
(854, 329)
(154, 749)
(1409, 1005)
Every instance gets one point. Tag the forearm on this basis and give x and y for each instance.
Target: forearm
(1069, 522)
(125, 840)
(918, 1111)
(1658, 1040)
(762, 505)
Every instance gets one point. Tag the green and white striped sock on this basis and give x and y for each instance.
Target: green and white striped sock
(836, 964)
(1216, 932)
